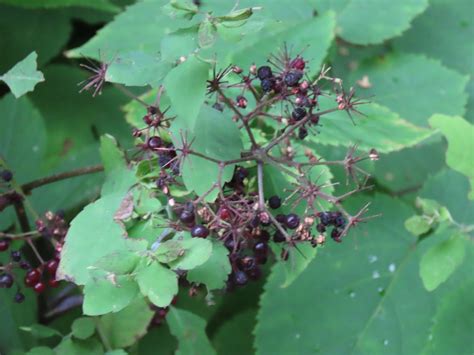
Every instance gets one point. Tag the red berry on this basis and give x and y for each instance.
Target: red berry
(32, 277)
(39, 287)
(224, 213)
(52, 266)
(298, 63)
(53, 283)
(4, 244)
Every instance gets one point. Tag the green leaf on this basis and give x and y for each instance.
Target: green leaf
(92, 235)
(215, 271)
(313, 35)
(388, 132)
(234, 336)
(436, 90)
(186, 89)
(417, 225)
(104, 5)
(451, 332)
(137, 69)
(168, 251)
(367, 288)
(24, 76)
(206, 34)
(43, 31)
(190, 330)
(83, 328)
(139, 28)
(118, 177)
(119, 263)
(365, 22)
(450, 43)
(41, 350)
(40, 331)
(79, 347)
(459, 134)
(441, 260)
(215, 135)
(237, 15)
(103, 296)
(126, 327)
(158, 283)
(195, 252)
(450, 188)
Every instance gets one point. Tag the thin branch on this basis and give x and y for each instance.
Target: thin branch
(261, 198)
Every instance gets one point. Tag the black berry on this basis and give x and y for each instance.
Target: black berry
(264, 236)
(7, 175)
(292, 78)
(336, 235)
(154, 142)
(260, 248)
(186, 217)
(298, 113)
(281, 218)
(264, 72)
(325, 218)
(339, 221)
(16, 255)
(199, 231)
(19, 297)
(321, 228)
(278, 237)
(6, 281)
(292, 221)
(267, 84)
(274, 202)
(240, 278)
(302, 133)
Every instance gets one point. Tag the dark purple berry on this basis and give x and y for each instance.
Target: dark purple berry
(240, 174)
(4, 244)
(325, 218)
(260, 248)
(25, 265)
(7, 175)
(15, 255)
(281, 218)
(187, 217)
(267, 84)
(6, 281)
(255, 273)
(199, 231)
(321, 228)
(339, 221)
(264, 235)
(293, 77)
(292, 221)
(278, 237)
(264, 72)
(274, 202)
(240, 278)
(19, 297)
(302, 133)
(154, 142)
(298, 113)
(336, 235)
(229, 244)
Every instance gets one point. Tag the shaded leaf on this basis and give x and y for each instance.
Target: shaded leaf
(104, 5)
(189, 329)
(40, 331)
(196, 251)
(126, 327)
(214, 272)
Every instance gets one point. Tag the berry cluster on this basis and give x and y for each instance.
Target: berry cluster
(54, 228)
(250, 225)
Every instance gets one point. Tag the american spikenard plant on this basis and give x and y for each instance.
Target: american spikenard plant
(275, 106)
